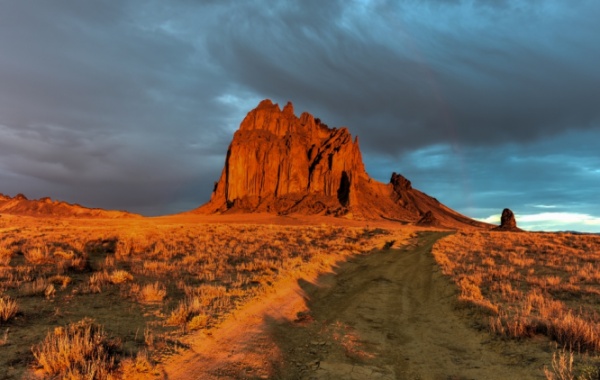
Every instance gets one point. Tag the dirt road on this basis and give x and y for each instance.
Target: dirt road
(384, 315)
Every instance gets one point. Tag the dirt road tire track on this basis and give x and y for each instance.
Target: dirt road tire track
(382, 315)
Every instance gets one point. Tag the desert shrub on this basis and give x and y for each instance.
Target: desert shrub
(82, 350)
(98, 280)
(120, 276)
(198, 322)
(35, 287)
(124, 249)
(8, 308)
(50, 291)
(38, 255)
(139, 368)
(179, 316)
(64, 254)
(101, 246)
(154, 292)
(568, 366)
(61, 280)
(79, 263)
(562, 366)
(68, 259)
(109, 262)
(5, 255)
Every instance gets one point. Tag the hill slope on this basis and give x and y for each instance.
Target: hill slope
(20, 205)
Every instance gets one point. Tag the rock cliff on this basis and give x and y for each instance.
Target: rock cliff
(280, 163)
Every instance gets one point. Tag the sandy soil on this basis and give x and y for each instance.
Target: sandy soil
(385, 315)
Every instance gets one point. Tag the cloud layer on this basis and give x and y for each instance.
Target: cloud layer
(131, 104)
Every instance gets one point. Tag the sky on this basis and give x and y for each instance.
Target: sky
(131, 104)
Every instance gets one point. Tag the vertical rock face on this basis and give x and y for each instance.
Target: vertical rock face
(508, 221)
(277, 158)
(280, 163)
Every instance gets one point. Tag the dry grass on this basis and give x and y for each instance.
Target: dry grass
(120, 276)
(8, 309)
(168, 276)
(530, 284)
(562, 366)
(82, 350)
(151, 293)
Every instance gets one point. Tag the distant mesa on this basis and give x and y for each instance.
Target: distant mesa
(508, 222)
(283, 164)
(46, 207)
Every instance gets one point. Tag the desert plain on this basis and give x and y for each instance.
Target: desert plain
(263, 296)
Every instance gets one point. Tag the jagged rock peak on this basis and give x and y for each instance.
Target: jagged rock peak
(288, 109)
(400, 182)
(266, 103)
(267, 116)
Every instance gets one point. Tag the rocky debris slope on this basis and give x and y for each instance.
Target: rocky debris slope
(283, 164)
(21, 205)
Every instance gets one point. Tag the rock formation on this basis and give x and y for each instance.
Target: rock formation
(21, 205)
(428, 219)
(280, 163)
(277, 159)
(508, 221)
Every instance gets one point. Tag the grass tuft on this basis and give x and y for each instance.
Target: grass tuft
(151, 293)
(82, 350)
(8, 309)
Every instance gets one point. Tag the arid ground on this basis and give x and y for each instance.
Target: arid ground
(385, 315)
(293, 298)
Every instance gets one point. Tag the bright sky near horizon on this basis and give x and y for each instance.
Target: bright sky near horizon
(483, 104)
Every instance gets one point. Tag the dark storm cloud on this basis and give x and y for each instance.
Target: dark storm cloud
(102, 104)
(559, 175)
(415, 74)
(131, 104)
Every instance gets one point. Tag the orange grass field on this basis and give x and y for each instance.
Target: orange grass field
(110, 298)
(531, 284)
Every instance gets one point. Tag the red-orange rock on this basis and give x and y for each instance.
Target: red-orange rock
(508, 222)
(276, 155)
(280, 163)
(46, 207)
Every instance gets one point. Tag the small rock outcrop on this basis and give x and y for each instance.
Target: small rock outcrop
(428, 219)
(281, 163)
(508, 222)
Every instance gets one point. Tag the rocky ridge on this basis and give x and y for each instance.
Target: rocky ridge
(21, 205)
(280, 163)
